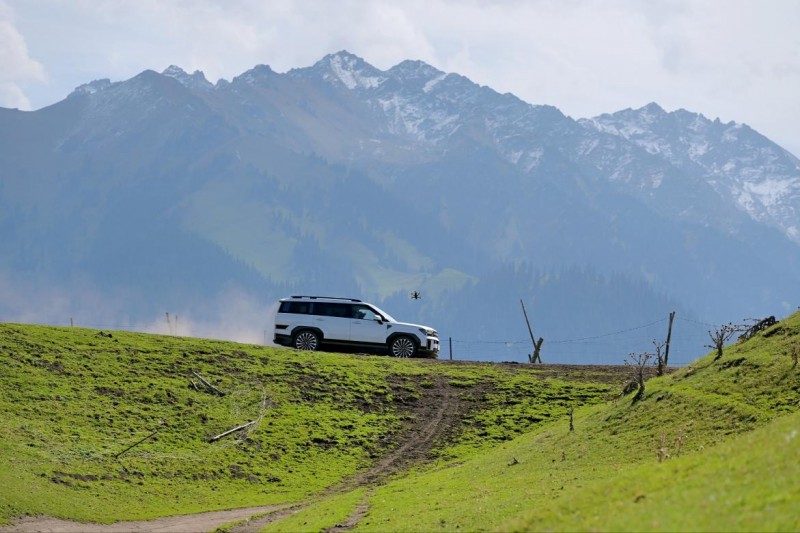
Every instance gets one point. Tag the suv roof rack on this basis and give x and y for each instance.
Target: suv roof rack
(326, 298)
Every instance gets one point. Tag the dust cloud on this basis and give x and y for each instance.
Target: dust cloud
(233, 314)
(240, 317)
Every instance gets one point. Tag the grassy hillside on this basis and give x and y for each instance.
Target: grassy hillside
(99, 426)
(104, 427)
(713, 446)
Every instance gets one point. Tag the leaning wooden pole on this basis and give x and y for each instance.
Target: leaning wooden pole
(537, 345)
(669, 336)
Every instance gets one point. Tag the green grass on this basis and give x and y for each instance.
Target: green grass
(606, 475)
(322, 514)
(749, 483)
(712, 446)
(73, 400)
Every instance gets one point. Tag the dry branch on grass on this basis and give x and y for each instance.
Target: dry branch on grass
(132, 446)
(208, 385)
(759, 325)
(232, 430)
(262, 410)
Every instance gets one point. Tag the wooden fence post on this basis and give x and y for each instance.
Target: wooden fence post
(669, 336)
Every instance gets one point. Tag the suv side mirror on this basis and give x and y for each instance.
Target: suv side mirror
(379, 319)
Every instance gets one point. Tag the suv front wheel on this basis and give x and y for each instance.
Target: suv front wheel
(402, 346)
(306, 340)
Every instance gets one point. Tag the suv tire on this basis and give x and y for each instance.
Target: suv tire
(306, 340)
(402, 346)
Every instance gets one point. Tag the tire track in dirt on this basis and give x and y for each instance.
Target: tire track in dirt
(442, 413)
(360, 512)
(439, 409)
(436, 415)
(256, 522)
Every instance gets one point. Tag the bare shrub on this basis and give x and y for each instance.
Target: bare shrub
(720, 336)
(638, 362)
(661, 451)
(679, 442)
(661, 360)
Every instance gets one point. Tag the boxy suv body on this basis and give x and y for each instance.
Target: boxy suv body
(311, 322)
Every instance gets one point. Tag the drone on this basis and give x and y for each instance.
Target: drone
(415, 295)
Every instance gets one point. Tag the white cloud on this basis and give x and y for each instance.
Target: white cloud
(11, 96)
(15, 64)
(738, 59)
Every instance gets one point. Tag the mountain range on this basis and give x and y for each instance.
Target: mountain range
(166, 192)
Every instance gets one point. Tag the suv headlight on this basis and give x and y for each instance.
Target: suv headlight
(429, 332)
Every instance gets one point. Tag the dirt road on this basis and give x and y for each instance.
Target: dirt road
(173, 524)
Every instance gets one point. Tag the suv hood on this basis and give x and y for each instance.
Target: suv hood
(410, 325)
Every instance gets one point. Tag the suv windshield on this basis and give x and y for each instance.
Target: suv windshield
(386, 316)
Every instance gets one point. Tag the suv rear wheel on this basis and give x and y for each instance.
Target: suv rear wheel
(306, 340)
(402, 346)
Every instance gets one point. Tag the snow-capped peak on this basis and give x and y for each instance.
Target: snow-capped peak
(196, 80)
(174, 71)
(349, 70)
(91, 87)
(651, 111)
(410, 70)
(257, 74)
(759, 177)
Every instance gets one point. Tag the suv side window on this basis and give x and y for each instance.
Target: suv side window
(333, 309)
(364, 313)
(295, 308)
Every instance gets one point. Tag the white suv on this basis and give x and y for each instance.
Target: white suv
(310, 322)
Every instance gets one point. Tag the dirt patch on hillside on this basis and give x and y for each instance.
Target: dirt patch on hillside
(611, 374)
(431, 419)
(438, 411)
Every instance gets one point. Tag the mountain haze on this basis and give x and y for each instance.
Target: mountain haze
(166, 192)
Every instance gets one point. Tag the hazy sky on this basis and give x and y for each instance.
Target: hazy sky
(733, 59)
